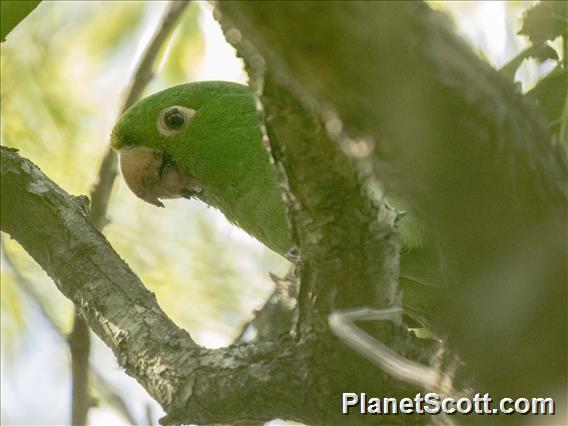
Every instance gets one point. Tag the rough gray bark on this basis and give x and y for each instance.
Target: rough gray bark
(349, 257)
(53, 228)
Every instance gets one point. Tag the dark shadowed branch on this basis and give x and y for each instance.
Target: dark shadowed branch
(410, 103)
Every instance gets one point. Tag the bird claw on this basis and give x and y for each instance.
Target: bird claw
(191, 192)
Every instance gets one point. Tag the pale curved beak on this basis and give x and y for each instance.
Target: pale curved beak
(151, 180)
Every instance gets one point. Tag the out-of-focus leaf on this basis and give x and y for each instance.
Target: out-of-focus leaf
(32, 282)
(13, 315)
(108, 32)
(550, 94)
(184, 48)
(544, 53)
(541, 53)
(12, 13)
(419, 299)
(545, 21)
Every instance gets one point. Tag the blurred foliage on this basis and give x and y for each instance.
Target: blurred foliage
(52, 93)
(545, 24)
(541, 53)
(477, 25)
(186, 44)
(542, 23)
(545, 21)
(551, 95)
(12, 311)
(119, 29)
(12, 12)
(18, 271)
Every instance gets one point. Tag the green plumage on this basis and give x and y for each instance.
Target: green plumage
(220, 148)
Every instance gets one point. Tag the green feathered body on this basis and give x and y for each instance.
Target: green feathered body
(218, 150)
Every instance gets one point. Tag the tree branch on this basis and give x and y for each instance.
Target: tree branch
(403, 97)
(193, 385)
(277, 316)
(349, 257)
(79, 346)
(101, 383)
(87, 270)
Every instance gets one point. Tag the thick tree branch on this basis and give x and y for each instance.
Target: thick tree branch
(53, 228)
(193, 385)
(349, 257)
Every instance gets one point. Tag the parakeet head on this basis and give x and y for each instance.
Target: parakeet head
(203, 140)
(189, 140)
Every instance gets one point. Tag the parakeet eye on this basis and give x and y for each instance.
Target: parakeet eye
(173, 119)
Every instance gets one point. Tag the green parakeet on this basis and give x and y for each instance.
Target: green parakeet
(203, 140)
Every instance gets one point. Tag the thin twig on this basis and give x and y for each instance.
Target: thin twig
(143, 75)
(100, 195)
(111, 395)
(79, 342)
(29, 290)
(343, 324)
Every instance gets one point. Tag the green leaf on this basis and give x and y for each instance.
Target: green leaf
(541, 53)
(545, 21)
(420, 300)
(550, 95)
(12, 13)
(545, 52)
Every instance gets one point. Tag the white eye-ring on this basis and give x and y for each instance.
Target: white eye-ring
(173, 119)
